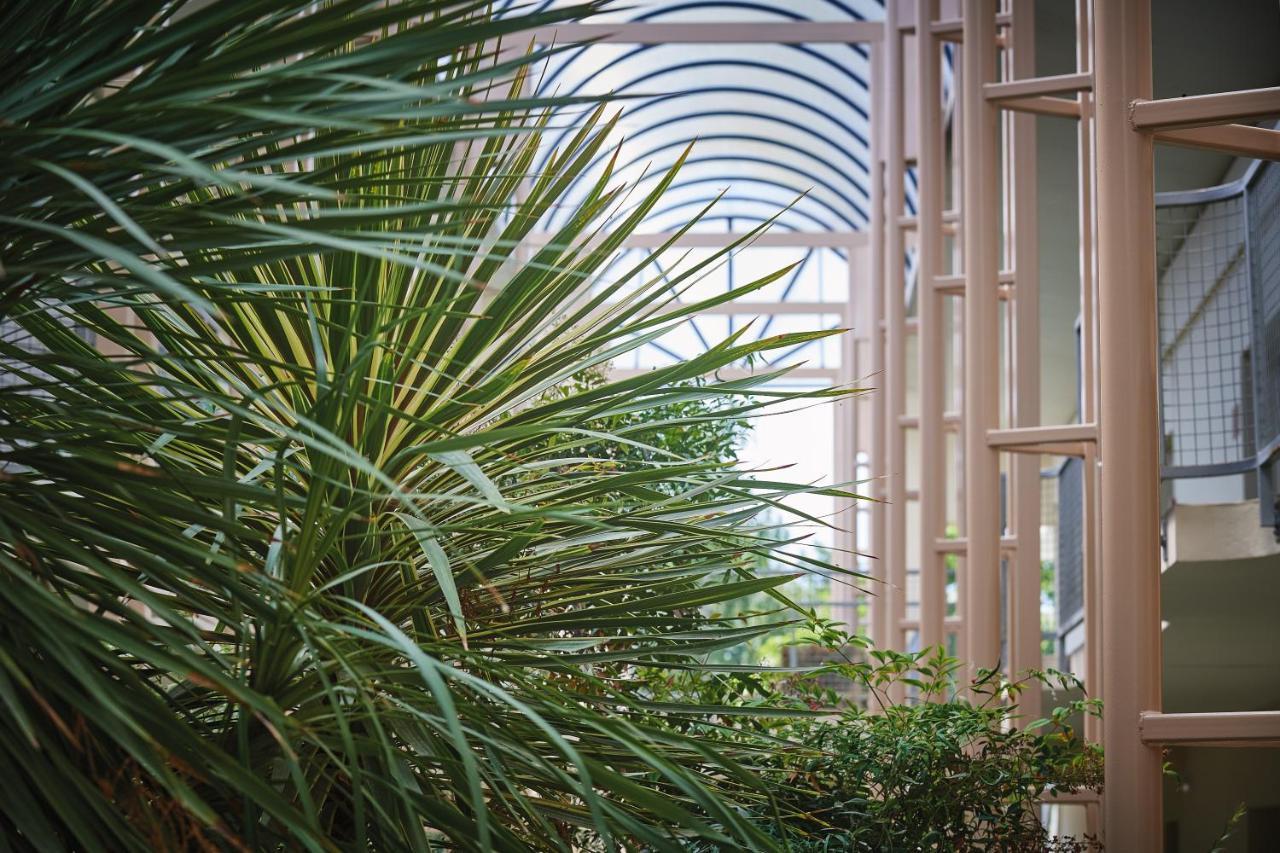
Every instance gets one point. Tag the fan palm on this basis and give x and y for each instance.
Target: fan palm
(304, 542)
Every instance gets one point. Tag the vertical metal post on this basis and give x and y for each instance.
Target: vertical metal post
(929, 337)
(894, 552)
(1128, 423)
(875, 285)
(959, 478)
(1088, 373)
(981, 258)
(847, 436)
(1024, 566)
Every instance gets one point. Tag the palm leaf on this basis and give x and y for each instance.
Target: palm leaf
(299, 546)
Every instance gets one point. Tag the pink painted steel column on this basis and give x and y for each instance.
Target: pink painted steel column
(1024, 565)
(981, 330)
(876, 446)
(1129, 426)
(1088, 373)
(895, 348)
(929, 338)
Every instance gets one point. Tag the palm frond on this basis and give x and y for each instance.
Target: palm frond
(299, 543)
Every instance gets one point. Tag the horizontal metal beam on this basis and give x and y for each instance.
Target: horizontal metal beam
(738, 373)
(954, 285)
(1202, 110)
(1042, 105)
(758, 308)
(1240, 139)
(948, 30)
(790, 32)
(950, 419)
(910, 223)
(960, 544)
(952, 29)
(1225, 728)
(1060, 84)
(1065, 440)
(949, 285)
(719, 240)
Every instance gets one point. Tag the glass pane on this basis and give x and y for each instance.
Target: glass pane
(723, 11)
(776, 126)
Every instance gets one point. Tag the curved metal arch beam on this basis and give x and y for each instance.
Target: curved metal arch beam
(778, 227)
(701, 202)
(795, 202)
(651, 154)
(652, 257)
(752, 91)
(842, 71)
(813, 200)
(764, 117)
(817, 224)
(554, 75)
(695, 4)
(738, 4)
(863, 143)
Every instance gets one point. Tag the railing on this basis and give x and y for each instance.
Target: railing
(1218, 293)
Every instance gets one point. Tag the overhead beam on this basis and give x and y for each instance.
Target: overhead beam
(1241, 728)
(1060, 84)
(952, 29)
(1240, 139)
(746, 307)
(797, 32)
(1202, 110)
(1043, 105)
(1064, 440)
(729, 373)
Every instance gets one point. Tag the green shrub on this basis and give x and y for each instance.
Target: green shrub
(961, 771)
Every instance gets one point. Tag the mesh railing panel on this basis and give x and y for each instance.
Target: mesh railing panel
(1264, 252)
(1069, 568)
(1205, 331)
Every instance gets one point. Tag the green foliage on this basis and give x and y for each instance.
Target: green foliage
(312, 547)
(695, 428)
(320, 544)
(962, 771)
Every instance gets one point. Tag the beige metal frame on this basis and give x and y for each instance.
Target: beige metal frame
(992, 280)
(1110, 95)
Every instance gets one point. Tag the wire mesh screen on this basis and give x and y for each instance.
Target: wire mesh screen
(1205, 332)
(1264, 251)
(1069, 567)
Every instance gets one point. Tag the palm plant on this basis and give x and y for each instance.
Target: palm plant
(300, 544)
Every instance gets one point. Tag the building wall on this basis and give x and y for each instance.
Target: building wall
(1211, 784)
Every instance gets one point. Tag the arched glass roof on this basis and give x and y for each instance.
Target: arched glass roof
(700, 11)
(775, 125)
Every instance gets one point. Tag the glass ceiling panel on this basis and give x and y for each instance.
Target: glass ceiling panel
(698, 334)
(814, 275)
(723, 11)
(809, 297)
(774, 126)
